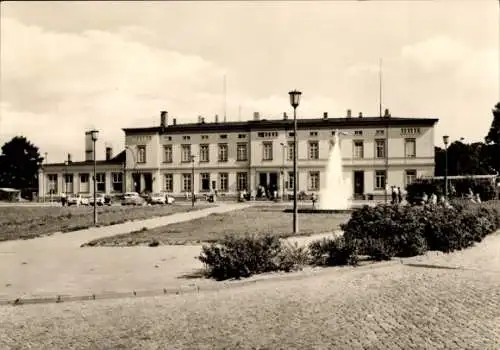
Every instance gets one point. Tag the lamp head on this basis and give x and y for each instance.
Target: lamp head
(295, 98)
(446, 139)
(95, 134)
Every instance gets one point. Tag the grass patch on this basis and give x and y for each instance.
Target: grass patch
(32, 222)
(257, 220)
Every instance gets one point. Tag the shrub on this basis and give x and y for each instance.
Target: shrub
(382, 232)
(292, 257)
(332, 252)
(236, 257)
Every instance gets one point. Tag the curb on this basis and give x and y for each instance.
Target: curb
(223, 285)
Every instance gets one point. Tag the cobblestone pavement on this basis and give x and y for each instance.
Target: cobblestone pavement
(391, 307)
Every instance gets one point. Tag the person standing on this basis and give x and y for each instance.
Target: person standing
(63, 199)
(400, 195)
(394, 194)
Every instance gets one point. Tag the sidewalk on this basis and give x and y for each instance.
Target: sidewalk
(56, 264)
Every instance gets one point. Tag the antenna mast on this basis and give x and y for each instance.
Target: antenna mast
(380, 88)
(225, 96)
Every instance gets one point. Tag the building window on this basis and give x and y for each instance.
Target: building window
(313, 150)
(290, 180)
(222, 152)
(204, 153)
(185, 153)
(117, 179)
(380, 148)
(290, 150)
(358, 132)
(52, 188)
(205, 181)
(291, 134)
(223, 136)
(241, 152)
(186, 182)
(101, 182)
(223, 182)
(379, 132)
(410, 148)
(268, 134)
(314, 181)
(167, 154)
(359, 151)
(410, 131)
(380, 179)
(313, 133)
(410, 176)
(186, 138)
(241, 181)
(242, 136)
(68, 183)
(267, 148)
(204, 137)
(84, 183)
(169, 183)
(141, 154)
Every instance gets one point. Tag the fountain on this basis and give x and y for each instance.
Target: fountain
(335, 193)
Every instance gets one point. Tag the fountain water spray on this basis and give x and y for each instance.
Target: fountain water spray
(336, 192)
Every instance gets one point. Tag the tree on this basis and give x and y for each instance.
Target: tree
(19, 164)
(493, 136)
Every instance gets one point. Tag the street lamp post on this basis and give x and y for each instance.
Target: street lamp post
(66, 163)
(283, 149)
(445, 141)
(95, 134)
(192, 180)
(295, 101)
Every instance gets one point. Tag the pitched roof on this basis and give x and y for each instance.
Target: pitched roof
(118, 159)
(271, 124)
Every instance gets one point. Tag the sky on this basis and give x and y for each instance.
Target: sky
(67, 67)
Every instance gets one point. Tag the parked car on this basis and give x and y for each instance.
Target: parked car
(133, 198)
(74, 199)
(157, 198)
(100, 199)
(84, 200)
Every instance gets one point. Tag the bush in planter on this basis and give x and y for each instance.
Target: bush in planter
(332, 252)
(383, 231)
(236, 257)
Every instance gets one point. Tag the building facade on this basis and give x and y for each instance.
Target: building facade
(232, 156)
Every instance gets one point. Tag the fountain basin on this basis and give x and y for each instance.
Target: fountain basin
(320, 211)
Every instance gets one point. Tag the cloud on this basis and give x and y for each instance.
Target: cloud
(467, 66)
(62, 83)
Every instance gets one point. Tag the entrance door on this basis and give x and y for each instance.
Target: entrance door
(263, 179)
(273, 181)
(148, 182)
(136, 178)
(359, 184)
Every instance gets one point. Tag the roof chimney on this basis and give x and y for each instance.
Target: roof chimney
(285, 117)
(109, 152)
(216, 118)
(174, 121)
(386, 113)
(69, 158)
(163, 119)
(349, 114)
(360, 115)
(256, 116)
(203, 120)
(325, 115)
(199, 119)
